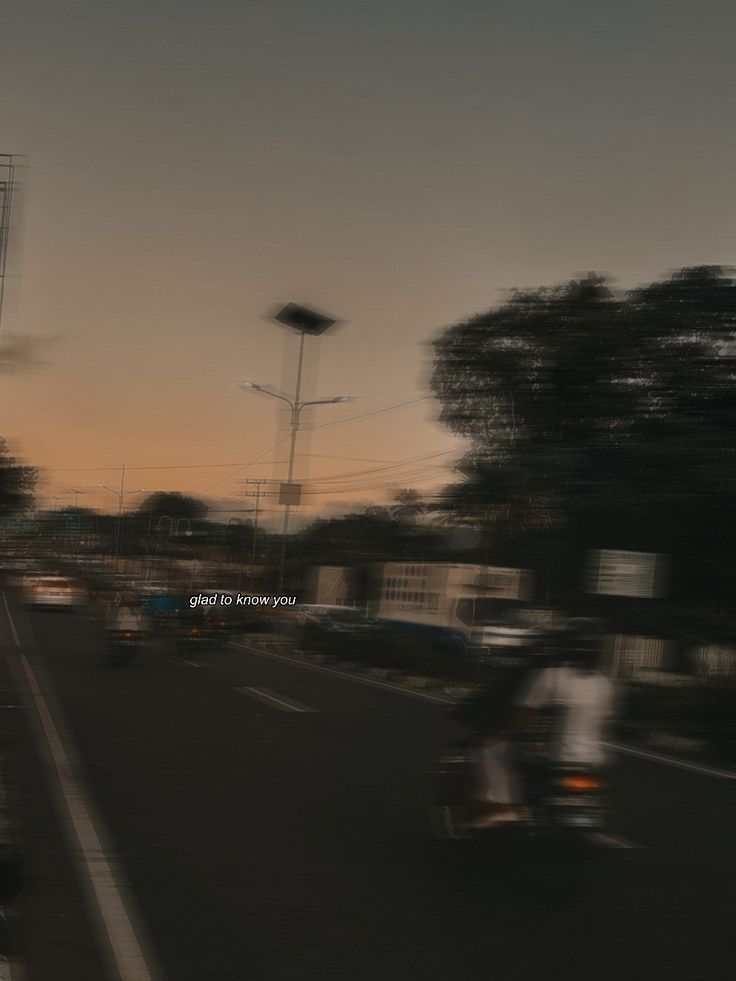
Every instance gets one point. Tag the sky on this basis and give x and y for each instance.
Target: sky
(188, 166)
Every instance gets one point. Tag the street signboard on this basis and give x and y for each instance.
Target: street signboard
(290, 494)
(616, 572)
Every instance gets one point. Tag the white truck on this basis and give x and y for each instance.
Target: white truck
(473, 604)
(334, 585)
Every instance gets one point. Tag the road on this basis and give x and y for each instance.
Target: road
(258, 819)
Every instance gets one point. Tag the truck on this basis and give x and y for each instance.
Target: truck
(470, 606)
(334, 585)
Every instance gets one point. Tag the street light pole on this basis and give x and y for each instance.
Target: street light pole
(304, 321)
(120, 494)
(296, 407)
(295, 414)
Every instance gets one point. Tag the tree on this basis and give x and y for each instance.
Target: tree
(613, 416)
(361, 538)
(408, 505)
(17, 483)
(491, 499)
(173, 504)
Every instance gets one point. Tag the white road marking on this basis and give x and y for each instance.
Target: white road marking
(270, 698)
(124, 945)
(6, 973)
(708, 771)
(611, 841)
(348, 676)
(645, 754)
(14, 632)
(185, 660)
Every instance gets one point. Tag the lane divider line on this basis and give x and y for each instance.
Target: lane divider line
(704, 770)
(611, 841)
(270, 698)
(128, 956)
(645, 754)
(184, 660)
(349, 676)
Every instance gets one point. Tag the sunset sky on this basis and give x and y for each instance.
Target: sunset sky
(187, 166)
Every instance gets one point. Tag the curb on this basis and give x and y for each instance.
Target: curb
(416, 681)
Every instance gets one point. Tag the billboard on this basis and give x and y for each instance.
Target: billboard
(616, 572)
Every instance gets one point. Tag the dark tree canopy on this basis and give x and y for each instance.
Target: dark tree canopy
(371, 536)
(173, 504)
(612, 418)
(16, 484)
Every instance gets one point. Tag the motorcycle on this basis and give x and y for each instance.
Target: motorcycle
(197, 631)
(123, 645)
(561, 801)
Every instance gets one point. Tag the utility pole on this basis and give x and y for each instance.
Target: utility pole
(257, 482)
(118, 525)
(7, 187)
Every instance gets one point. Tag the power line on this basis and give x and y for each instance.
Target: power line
(374, 470)
(213, 466)
(203, 466)
(245, 465)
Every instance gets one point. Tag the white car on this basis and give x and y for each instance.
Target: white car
(55, 592)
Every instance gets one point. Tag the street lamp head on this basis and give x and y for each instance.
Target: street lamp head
(250, 386)
(303, 319)
(331, 400)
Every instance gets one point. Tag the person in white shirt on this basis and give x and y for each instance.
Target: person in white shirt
(125, 615)
(581, 694)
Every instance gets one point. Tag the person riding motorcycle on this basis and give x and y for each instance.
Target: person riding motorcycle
(126, 616)
(580, 696)
(581, 700)
(496, 787)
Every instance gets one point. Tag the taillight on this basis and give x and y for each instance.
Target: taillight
(580, 782)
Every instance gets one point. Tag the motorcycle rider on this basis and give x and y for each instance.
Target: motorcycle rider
(496, 789)
(125, 615)
(581, 698)
(579, 694)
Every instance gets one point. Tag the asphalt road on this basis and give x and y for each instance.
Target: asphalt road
(269, 823)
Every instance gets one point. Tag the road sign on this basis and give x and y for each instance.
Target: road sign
(290, 494)
(612, 572)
